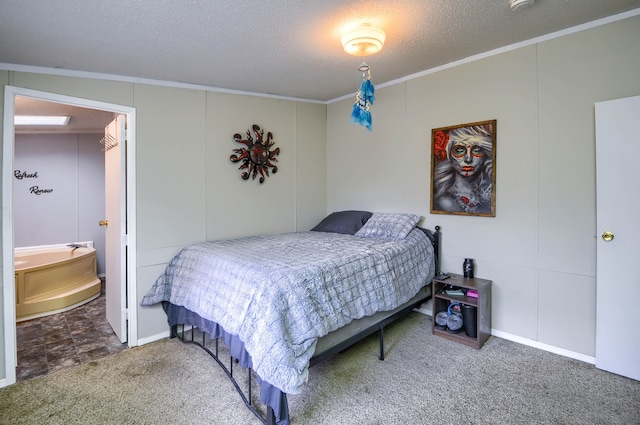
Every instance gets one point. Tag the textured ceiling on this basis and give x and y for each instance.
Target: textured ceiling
(283, 47)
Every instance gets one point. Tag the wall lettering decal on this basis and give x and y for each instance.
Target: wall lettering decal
(37, 191)
(25, 175)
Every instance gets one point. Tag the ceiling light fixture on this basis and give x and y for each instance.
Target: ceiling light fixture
(364, 40)
(41, 120)
(520, 4)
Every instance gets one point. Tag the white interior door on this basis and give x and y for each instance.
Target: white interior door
(618, 273)
(116, 226)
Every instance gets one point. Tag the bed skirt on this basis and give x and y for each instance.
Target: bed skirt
(270, 396)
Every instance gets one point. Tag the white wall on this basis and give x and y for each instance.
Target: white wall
(187, 188)
(72, 167)
(539, 250)
(55, 160)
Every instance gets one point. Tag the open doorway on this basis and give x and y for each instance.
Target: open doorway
(91, 116)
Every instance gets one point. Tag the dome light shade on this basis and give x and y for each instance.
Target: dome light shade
(364, 40)
(520, 4)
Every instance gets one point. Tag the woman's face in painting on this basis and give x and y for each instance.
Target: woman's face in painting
(468, 156)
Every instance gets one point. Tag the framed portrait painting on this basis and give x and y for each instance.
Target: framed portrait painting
(463, 172)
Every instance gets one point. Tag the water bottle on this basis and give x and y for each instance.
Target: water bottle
(467, 268)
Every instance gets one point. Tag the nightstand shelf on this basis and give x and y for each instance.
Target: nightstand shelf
(442, 300)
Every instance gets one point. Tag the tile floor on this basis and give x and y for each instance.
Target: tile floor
(62, 340)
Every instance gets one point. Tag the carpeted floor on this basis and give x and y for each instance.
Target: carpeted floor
(423, 380)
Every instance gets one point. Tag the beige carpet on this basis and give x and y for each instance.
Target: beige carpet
(424, 380)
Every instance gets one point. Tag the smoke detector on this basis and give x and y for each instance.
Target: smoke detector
(520, 4)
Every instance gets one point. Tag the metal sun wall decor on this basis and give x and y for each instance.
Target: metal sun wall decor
(364, 98)
(257, 157)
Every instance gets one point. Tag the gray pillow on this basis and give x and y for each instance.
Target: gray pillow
(346, 222)
(388, 226)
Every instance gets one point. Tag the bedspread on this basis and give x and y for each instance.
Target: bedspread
(280, 293)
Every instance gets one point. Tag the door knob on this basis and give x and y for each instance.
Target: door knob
(607, 236)
(103, 223)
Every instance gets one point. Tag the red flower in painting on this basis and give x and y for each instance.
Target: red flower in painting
(464, 199)
(440, 141)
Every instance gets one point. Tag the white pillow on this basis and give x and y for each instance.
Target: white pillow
(388, 226)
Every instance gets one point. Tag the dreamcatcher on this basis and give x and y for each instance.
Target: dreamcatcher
(364, 98)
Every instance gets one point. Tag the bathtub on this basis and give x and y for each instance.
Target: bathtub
(52, 279)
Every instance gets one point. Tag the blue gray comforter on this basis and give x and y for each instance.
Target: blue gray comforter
(280, 293)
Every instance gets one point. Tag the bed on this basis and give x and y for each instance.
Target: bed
(284, 302)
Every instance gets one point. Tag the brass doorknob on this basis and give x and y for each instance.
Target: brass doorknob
(607, 236)
(103, 223)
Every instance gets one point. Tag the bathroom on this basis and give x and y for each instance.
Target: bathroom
(59, 199)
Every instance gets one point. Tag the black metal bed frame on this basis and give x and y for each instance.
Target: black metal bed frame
(246, 398)
(342, 346)
(179, 331)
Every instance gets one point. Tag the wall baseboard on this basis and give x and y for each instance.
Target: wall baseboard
(425, 309)
(159, 336)
(153, 338)
(494, 332)
(545, 347)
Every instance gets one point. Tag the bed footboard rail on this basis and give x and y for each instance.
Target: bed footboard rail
(187, 334)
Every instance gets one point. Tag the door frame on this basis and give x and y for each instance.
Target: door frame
(10, 92)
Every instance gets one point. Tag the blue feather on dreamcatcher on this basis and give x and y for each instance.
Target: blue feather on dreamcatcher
(364, 98)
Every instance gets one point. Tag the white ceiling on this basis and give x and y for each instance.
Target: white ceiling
(82, 120)
(282, 47)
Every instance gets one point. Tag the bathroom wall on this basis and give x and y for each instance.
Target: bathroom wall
(58, 190)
